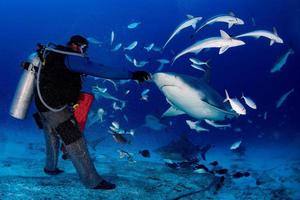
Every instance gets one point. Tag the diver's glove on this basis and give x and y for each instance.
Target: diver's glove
(140, 76)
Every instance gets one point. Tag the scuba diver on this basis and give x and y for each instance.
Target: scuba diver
(58, 89)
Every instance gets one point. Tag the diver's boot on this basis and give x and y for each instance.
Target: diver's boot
(52, 151)
(85, 168)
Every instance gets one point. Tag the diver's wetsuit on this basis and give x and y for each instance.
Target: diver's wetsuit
(60, 85)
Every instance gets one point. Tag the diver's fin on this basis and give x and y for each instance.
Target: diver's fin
(172, 111)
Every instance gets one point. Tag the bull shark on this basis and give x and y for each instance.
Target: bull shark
(274, 38)
(183, 149)
(153, 123)
(190, 22)
(224, 43)
(229, 19)
(191, 96)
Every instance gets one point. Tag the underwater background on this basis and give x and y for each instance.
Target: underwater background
(270, 136)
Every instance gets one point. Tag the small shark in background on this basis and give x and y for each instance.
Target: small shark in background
(153, 123)
(274, 38)
(216, 125)
(196, 126)
(283, 98)
(282, 61)
(199, 62)
(183, 149)
(223, 43)
(229, 19)
(190, 22)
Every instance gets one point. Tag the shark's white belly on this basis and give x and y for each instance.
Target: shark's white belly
(191, 103)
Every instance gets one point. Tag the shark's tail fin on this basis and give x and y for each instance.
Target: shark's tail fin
(174, 59)
(243, 96)
(227, 96)
(193, 35)
(291, 51)
(206, 63)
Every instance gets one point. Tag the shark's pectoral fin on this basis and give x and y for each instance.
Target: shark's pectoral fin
(198, 51)
(194, 26)
(230, 25)
(272, 42)
(223, 49)
(172, 111)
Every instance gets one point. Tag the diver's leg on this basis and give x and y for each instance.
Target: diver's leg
(79, 155)
(52, 146)
(52, 151)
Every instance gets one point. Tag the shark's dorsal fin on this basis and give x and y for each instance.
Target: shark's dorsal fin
(224, 35)
(275, 31)
(231, 14)
(189, 16)
(172, 111)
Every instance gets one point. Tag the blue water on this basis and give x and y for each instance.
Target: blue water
(240, 69)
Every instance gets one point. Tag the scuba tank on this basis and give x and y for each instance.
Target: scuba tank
(30, 79)
(24, 93)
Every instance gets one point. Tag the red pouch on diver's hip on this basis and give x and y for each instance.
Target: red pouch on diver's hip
(82, 108)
